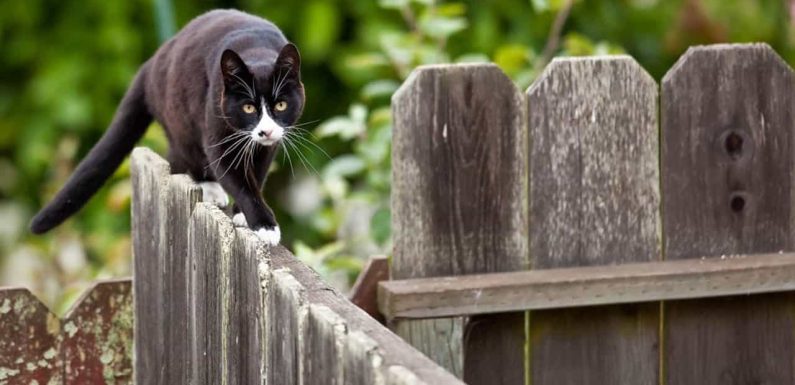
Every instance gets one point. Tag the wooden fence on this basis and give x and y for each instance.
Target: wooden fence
(592, 230)
(594, 166)
(213, 305)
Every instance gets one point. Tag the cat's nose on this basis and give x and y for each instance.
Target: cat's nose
(263, 134)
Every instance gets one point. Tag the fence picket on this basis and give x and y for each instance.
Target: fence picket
(459, 206)
(98, 336)
(30, 342)
(728, 189)
(149, 173)
(594, 198)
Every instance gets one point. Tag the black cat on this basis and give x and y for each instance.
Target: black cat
(227, 89)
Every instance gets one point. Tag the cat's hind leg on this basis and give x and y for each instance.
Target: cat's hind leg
(213, 192)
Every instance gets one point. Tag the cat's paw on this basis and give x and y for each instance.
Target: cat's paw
(270, 236)
(239, 220)
(214, 193)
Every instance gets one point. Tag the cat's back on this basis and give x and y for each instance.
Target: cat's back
(207, 35)
(179, 73)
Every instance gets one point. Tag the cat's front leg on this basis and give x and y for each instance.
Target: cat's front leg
(255, 212)
(239, 219)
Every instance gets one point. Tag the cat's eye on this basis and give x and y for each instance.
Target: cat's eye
(280, 106)
(249, 108)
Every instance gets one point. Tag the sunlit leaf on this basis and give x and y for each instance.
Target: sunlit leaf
(441, 27)
(379, 88)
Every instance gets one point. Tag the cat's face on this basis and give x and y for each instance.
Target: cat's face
(264, 103)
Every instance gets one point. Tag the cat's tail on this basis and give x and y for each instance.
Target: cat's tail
(128, 126)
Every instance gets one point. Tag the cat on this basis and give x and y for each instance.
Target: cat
(227, 89)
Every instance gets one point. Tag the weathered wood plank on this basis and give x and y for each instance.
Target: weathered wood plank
(245, 337)
(255, 310)
(98, 336)
(149, 179)
(323, 348)
(181, 196)
(162, 205)
(287, 309)
(727, 123)
(409, 364)
(594, 198)
(29, 340)
(587, 286)
(364, 292)
(459, 172)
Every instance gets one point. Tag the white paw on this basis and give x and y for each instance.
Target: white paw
(271, 237)
(240, 220)
(214, 193)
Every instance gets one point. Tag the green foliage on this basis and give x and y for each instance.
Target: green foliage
(66, 65)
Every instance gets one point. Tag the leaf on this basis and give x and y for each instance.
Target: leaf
(441, 27)
(393, 4)
(380, 225)
(473, 58)
(346, 127)
(344, 166)
(379, 88)
(512, 58)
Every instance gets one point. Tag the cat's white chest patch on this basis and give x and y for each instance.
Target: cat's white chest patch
(214, 193)
(270, 237)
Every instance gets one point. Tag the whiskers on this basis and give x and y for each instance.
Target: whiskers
(243, 148)
(295, 140)
(240, 150)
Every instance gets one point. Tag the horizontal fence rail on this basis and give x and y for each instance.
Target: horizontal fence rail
(235, 311)
(587, 286)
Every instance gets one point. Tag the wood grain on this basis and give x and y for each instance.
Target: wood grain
(587, 286)
(161, 207)
(594, 198)
(149, 173)
(364, 292)
(727, 121)
(255, 313)
(459, 200)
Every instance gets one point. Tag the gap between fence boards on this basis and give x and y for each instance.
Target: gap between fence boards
(587, 286)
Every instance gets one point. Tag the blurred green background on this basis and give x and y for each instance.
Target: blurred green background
(65, 65)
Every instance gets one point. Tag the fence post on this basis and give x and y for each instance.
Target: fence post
(459, 193)
(728, 119)
(594, 199)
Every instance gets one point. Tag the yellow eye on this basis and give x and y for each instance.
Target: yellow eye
(249, 108)
(281, 106)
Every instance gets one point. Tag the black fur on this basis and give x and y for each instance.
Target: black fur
(191, 87)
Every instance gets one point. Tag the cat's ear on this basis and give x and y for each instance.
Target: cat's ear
(233, 66)
(290, 59)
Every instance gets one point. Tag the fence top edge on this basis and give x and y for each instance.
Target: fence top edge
(144, 156)
(16, 291)
(95, 285)
(559, 63)
(747, 49)
(424, 70)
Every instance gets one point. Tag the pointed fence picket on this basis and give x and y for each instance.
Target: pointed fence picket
(607, 183)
